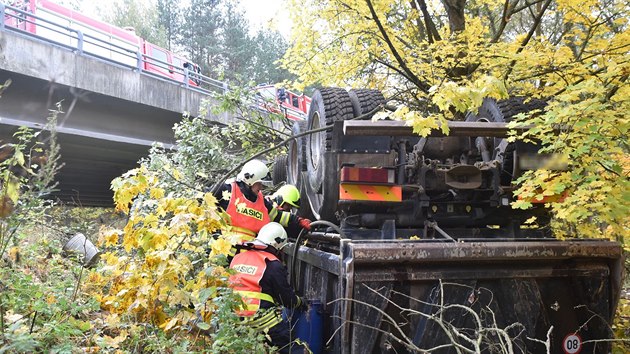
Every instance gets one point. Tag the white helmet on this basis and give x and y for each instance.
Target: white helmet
(254, 171)
(273, 234)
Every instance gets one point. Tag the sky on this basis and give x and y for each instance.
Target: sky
(261, 12)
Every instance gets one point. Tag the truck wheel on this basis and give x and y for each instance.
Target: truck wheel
(513, 106)
(504, 110)
(365, 100)
(297, 155)
(328, 105)
(279, 171)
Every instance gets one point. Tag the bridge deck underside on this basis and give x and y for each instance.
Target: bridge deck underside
(100, 137)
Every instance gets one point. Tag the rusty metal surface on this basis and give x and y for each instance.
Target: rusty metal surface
(320, 259)
(398, 128)
(478, 271)
(423, 252)
(539, 283)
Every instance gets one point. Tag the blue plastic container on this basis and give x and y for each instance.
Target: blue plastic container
(307, 326)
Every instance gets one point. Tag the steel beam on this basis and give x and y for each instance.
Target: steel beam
(399, 128)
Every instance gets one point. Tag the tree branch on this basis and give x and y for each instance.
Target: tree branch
(455, 11)
(432, 32)
(422, 32)
(505, 17)
(529, 36)
(416, 81)
(403, 74)
(221, 180)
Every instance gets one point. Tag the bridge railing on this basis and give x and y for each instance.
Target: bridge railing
(100, 45)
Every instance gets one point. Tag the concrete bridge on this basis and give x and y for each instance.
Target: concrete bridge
(112, 113)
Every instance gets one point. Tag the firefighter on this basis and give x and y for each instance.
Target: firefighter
(282, 95)
(286, 198)
(249, 211)
(262, 281)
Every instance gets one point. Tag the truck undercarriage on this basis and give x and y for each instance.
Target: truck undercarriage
(418, 248)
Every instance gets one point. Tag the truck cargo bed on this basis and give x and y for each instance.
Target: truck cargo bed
(480, 295)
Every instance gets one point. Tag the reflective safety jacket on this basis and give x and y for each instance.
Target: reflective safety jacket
(247, 217)
(250, 267)
(262, 281)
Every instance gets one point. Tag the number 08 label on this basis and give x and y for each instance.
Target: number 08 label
(572, 344)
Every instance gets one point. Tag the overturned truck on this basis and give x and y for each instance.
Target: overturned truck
(417, 248)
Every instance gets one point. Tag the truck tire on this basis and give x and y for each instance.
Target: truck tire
(296, 162)
(504, 110)
(279, 170)
(513, 106)
(365, 100)
(328, 105)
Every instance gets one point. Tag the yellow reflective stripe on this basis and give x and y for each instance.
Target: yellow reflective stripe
(284, 218)
(264, 322)
(260, 320)
(251, 307)
(248, 235)
(270, 324)
(273, 213)
(255, 295)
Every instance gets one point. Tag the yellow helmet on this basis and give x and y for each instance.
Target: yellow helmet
(287, 194)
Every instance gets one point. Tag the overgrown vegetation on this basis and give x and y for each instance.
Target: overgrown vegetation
(439, 60)
(40, 308)
(161, 283)
(212, 33)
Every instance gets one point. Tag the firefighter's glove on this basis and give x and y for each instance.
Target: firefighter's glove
(305, 223)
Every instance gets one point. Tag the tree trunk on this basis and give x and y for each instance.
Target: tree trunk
(455, 12)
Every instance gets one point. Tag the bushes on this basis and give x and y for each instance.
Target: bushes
(40, 307)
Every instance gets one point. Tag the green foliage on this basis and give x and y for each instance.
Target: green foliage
(42, 309)
(40, 306)
(126, 13)
(621, 326)
(212, 33)
(169, 17)
(230, 337)
(594, 145)
(269, 46)
(440, 61)
(237, 55)
(27, 170)
(206, 152)
(201, 35)
(165, 270)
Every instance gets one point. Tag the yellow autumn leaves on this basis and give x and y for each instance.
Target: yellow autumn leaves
(165, 256)
(573, 54)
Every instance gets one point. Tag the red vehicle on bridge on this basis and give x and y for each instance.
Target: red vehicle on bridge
(279, 100)
(76, 30)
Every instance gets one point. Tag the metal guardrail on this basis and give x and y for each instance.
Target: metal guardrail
(80, 42)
